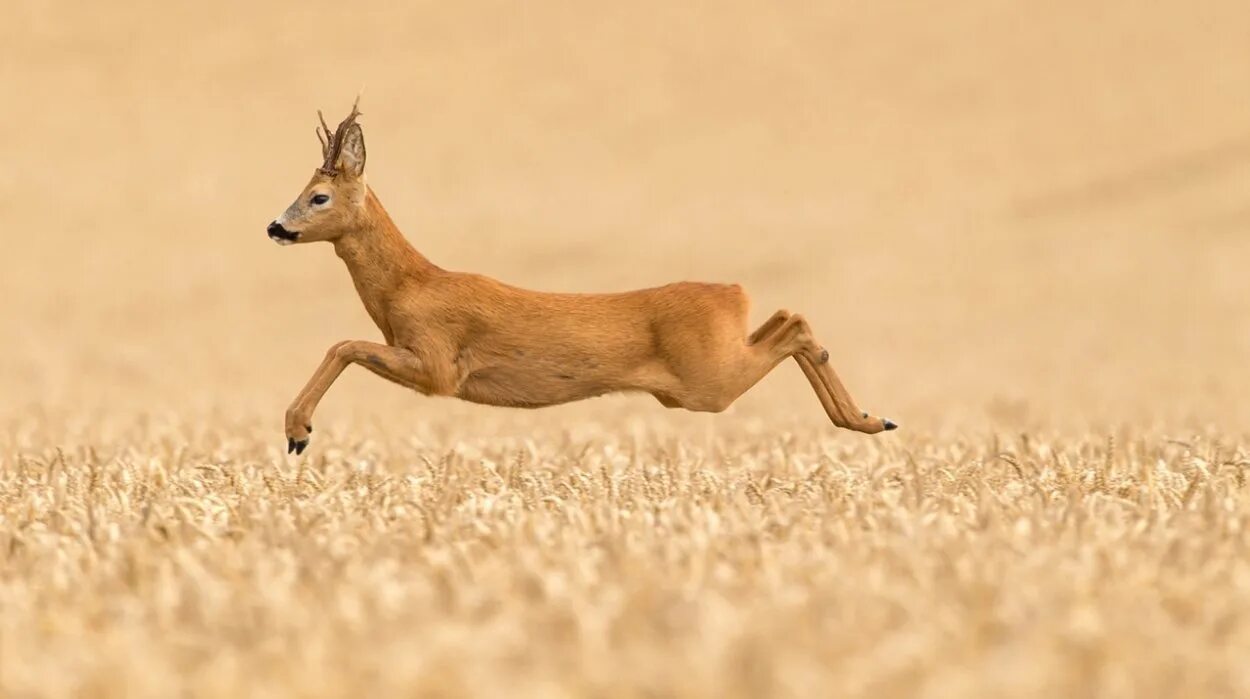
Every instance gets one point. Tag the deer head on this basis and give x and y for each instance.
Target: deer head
(332, 202)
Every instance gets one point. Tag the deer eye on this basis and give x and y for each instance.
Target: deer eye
(319, 199)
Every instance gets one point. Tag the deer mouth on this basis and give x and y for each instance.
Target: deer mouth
(280, 235)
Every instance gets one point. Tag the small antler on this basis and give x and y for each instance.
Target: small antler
(325, 147)
(332, 143)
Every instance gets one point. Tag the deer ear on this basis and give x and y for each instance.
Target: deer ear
(352, 155)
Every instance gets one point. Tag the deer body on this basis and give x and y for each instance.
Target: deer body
(472, 337)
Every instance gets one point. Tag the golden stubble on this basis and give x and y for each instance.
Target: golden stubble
(756, 561)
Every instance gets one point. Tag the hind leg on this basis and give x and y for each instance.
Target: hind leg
(718, 383)
(712, 384)
(716, 401)
(834, 398)
(769, 327)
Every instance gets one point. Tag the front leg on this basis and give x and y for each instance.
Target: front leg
(403, 366)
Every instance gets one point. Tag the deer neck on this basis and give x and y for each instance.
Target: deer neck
(381, 262)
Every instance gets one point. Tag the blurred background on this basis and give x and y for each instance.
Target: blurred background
(1005, 215)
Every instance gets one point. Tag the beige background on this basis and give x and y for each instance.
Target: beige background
(1020, 212)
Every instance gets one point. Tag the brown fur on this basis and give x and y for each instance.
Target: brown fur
(469, 336)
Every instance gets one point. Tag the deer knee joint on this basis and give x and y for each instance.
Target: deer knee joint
(335, 351)
(355, 351)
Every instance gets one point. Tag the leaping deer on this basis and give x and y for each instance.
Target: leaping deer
(469, 336)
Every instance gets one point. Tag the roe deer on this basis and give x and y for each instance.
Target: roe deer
(469, 336)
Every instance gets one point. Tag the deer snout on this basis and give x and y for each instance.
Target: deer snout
(280, 235)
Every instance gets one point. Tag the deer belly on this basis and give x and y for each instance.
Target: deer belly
(530, 387)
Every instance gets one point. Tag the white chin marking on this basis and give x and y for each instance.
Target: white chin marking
(281, 241)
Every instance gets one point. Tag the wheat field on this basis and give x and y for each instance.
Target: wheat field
(1021, 230)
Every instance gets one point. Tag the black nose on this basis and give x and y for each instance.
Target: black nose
(278, 232)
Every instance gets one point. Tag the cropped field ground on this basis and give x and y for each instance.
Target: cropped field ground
(1021, 230)
(766, 563)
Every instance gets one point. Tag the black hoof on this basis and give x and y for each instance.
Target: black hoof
(300, 447)
(890, 425)
(290, 445)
